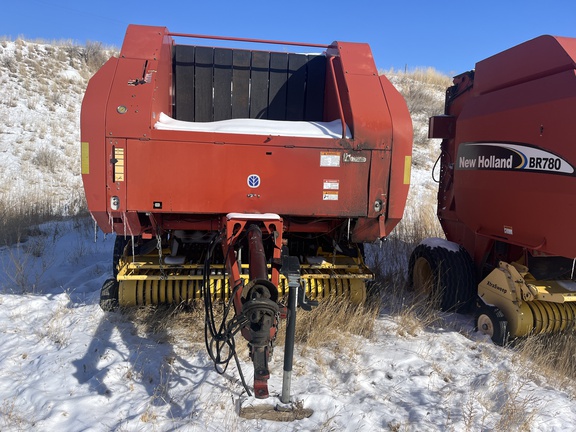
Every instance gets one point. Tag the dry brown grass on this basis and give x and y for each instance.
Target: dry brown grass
(428, 76)
(19, 218)
(413, 312)
(420, 89)
(13, 419)
(334, 320)
(552, 356)
(331, 320)
(170, 324)
(21, 208)
(389, 260)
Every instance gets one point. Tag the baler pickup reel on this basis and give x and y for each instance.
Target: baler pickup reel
(524, 305)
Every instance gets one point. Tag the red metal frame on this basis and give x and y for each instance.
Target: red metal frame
(259, 344)
(235, 225)
(248, 40)
(165, 166)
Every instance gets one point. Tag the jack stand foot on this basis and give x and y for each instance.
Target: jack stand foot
(272, 409)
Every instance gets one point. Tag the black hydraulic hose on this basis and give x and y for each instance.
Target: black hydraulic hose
(434, 168)
(216, 339)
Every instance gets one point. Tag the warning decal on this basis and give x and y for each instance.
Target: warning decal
(331, 184)
(330, 196)
(329, 159)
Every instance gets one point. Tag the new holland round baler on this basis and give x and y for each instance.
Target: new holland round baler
(241, 175)
(506, 192)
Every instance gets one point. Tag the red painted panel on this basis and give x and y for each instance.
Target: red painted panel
(401, 159)
(536, 58)
(188, 177)
(523, 117)
(132, 121)
(365, 104)
(92, 121)
(143, 42)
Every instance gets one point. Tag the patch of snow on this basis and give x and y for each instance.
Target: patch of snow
(67, 365)
(435, 242)
(331, 129)
(71, 74)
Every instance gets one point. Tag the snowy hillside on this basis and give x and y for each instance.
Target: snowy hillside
(68, 366)
(42, 88)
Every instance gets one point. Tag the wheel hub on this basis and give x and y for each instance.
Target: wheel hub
(423, 277)
(485, 325)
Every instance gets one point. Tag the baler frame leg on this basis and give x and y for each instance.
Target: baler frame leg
(290, 269)
(255, 303)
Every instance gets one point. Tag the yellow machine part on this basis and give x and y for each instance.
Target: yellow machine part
(529, 306)
(143, 281)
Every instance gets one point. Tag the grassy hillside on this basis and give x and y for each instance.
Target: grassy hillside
(42, 89)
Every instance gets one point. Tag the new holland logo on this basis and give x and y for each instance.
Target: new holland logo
(253, 181)
(510, 157)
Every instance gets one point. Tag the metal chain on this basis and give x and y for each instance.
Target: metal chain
(159, 247)
(273, 340)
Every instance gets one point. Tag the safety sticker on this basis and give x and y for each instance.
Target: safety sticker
(85, 157)
(331, 184)
(329, 159)
(330, 196)
(118, 164)
(508, 230)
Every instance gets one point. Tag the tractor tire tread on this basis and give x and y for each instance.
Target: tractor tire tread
(453, 272)
(109, 296)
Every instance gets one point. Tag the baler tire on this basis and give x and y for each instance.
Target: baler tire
(109, 296)
(119, 245)
(491, 321)
(445, 276)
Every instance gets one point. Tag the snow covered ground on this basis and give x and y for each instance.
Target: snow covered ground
(66, 365)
